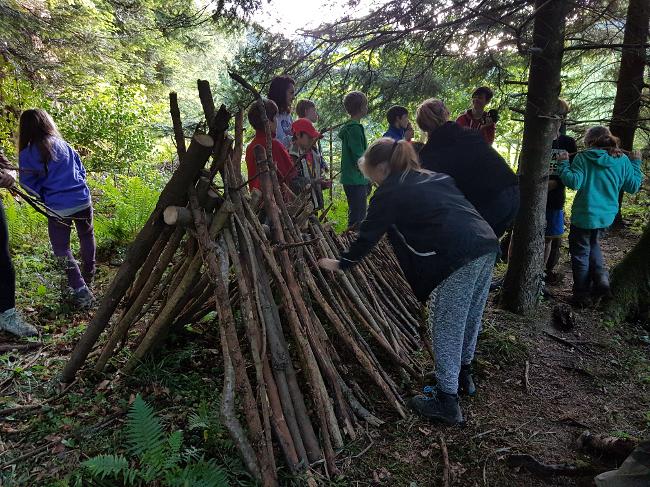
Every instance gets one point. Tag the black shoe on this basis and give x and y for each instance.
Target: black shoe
(466, 381)
(438, 407)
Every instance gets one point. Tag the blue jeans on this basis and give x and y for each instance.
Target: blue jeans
(587, 263)
(357, 196)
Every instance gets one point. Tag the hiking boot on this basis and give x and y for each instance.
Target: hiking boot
(439, 406)
(83, 298)
(633, 472)
(12, 322)
(466, 381)
(88, 277)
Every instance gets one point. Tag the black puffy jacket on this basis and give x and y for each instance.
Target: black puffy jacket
(478, 169)
(431, 226)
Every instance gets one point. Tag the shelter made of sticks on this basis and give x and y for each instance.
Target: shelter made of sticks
(302, 348)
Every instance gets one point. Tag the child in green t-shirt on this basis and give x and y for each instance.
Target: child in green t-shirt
(353, 145)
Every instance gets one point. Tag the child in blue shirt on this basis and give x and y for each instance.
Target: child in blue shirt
(52, 170)
(599, 174)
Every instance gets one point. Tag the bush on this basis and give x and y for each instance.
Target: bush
(122, 206)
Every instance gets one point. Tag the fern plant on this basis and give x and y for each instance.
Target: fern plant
(159, 458)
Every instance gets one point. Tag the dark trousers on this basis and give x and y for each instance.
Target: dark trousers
(7, 273)
(357, 196)
(60, 240)
(500, 212)
(587, 260)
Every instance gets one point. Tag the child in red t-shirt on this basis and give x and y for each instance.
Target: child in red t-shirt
(284, 165)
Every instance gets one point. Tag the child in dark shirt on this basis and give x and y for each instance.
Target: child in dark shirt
(563, 146)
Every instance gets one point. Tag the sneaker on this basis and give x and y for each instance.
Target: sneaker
(12, 322)
(633, 472)
(438, 407)
(83, 298)
(466, 381)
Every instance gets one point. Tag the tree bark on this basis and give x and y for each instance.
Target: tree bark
(630, 282)
(629, 85)
(523, 281)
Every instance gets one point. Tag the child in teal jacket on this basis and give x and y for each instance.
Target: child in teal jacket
(353, 145)
(599, 174)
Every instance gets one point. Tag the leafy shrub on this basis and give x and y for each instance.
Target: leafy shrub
(122, 206)
(156, 457)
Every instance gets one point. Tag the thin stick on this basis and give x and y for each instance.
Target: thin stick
(445, 458)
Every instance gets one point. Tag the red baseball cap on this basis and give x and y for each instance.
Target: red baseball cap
(305, 125)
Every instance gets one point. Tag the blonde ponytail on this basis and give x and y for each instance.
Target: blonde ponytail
(399, 155)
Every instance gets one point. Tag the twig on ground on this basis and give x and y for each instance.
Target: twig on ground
(551, 470)
(445, 458)
(29, 407)
(568, 343)
(526, 380)
(362, 452)
(19, 346)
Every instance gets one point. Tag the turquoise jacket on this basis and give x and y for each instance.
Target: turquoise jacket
(353, 145)
(599, 178)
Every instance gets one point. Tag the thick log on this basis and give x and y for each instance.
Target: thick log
(178, 215)
(174, 194)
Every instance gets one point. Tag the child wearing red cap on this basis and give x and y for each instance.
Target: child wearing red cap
(307, 160)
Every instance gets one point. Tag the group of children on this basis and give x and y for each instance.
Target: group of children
(444, 205)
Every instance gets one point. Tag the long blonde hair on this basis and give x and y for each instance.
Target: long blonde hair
(399, 155)
(431, 114)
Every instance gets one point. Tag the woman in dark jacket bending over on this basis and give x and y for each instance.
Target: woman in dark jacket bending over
(447, 252)
(479, 171)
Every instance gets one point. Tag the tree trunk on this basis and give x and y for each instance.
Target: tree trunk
(523, 281)
(630, 283)
(630, 78)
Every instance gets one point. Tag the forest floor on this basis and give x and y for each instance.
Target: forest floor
(597, 379)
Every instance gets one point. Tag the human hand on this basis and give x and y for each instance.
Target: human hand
(635, 155)
(6, 179)
(563, 156)
(329, 264)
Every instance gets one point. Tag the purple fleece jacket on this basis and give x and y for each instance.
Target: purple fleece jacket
(63, 186)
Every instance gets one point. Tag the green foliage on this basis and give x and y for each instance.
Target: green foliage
(158, 456)
(122, 206)
(110, 127)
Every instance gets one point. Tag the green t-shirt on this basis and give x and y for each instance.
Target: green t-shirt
(354, 144)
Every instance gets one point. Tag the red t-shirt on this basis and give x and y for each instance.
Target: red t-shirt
(486, 130)
(284, 164)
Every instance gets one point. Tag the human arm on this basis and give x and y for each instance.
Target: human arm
(633, 174)
(7, 176)
(572, 175)
(32, 172)
(488, 132)
(381, 216)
